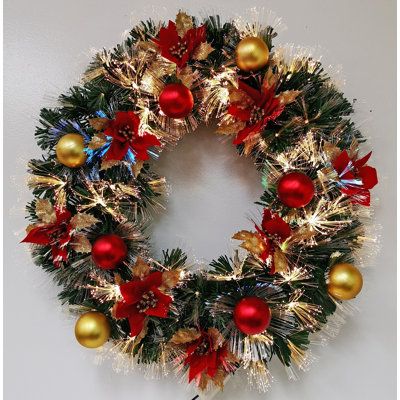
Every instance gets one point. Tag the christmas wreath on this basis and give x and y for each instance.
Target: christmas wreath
(94, 187)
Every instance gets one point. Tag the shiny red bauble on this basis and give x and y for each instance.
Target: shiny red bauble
(176, 100)
(108, 251)
(295, 190)
(252, 315)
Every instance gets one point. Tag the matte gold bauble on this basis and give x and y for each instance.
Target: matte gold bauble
(251, 54)
(70, 150)
(92, 329)
(344, 281)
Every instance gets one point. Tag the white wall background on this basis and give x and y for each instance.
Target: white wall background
(47, 46)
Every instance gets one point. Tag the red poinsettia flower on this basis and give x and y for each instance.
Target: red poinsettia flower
(179, 49)
(356, 178)
(124, 130)
(264, 107)
(275, 227)
(204, 355)
(142, 298)
(57, 235)
(254, 108)
(274, 231)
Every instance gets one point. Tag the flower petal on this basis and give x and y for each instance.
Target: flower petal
(273, 224)
(140, 145)
(38, 235)
(132, 291)
(362, 161)
(136, 322)
(59, 254)
(197, 364)
(278, 227)
(212, 363)
(124, 310)
(245, 133)
(360, 196)
(368, 176)
(152, 280)
(117, 150)
(243, 114)
(162, 307)
(341, 162)
(255, 94)
(63, 215)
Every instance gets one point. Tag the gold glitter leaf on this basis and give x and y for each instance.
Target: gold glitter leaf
(128, 190)
(289, 96)
(251, 242)
(140, 269)
(98, 140)
(44, 181)
(185, 335)
(203, 383)
(270, 79)
(157, 185)
(30, 227)
(106, 164)
(170, 278)
(183, 23)
(146, 45)
(301, 234)
(138, 167)
(331, 150)
(230, 128)
(61, 198)
(219, 378)
(117, 279)
(93, 74)
(45, 211)
(186, 76)
(99, 123)
(83, 220)
(238, 96)
(81, 244)
(142, 334)
(202, 51)
(216, 336)
(250, 142)
(280, 261)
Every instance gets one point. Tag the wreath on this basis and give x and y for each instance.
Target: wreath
(94, 187)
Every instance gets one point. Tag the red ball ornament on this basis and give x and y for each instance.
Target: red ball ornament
(295, 190)
(176, 100)
(252, 315)
(108, 251)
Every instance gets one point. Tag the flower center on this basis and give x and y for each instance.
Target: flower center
(256, 114)
(203, 348)
(276, 237)
(59, 231)
(148, 300)
(178, 49)
(126, 132)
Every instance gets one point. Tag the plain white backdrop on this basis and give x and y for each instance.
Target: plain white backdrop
(47, 46)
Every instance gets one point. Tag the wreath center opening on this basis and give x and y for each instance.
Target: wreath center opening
(211, 191)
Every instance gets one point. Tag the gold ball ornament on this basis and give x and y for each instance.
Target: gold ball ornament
(251, 54)
(70, 150)
(92, 329)
(344, 281)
